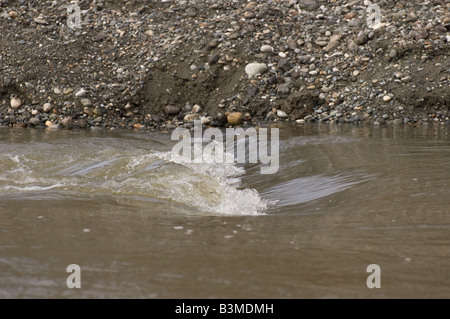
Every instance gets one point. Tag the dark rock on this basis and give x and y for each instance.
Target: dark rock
(361, 40)
(309, 5)
(284, 65)
(251, 91)
(171, 109)
(213, 59)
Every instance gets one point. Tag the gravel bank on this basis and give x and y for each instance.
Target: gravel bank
(161, 64)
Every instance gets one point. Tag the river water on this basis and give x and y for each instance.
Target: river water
(142, 226)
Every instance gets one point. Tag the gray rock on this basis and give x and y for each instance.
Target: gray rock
(354, 23)
(80, 93)
(213, 59)
(283, 89)
(86, 102)
(284, 65)
(253, 69)
(266, 49)
(171, 109)
(361, 40)
(309, 5)
(281, 113)
(35, 121)
(352, 46)
(251, 91)
(66, 122)
(40, 21)
(47, 107)
(270, 116)
(393, 53)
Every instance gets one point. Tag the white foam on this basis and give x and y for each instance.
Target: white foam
(211, 188)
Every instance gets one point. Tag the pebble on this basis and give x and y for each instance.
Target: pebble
(253, 69)
(361, 40)
(13, 14)
(47, 107)
(281, 113)
(171, 109)
(387, 98)
(86, 102)
(40, 21)
(68, 91)
(66, 121)
(234, 118)
(196, 108)
(206, 120)
(35, 121)
(16, 103)
(191, 117)
(393, 53)
(266, 49)
(80, 93)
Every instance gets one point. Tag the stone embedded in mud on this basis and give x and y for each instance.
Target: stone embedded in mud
(16, 103)
(171, 109)
(253, 69)
(234, 118)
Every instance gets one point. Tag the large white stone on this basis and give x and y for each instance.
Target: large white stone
(253, 69)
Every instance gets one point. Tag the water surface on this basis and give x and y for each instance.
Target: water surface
(142, 226)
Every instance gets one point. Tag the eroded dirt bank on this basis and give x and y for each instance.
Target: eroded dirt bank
(160, 64)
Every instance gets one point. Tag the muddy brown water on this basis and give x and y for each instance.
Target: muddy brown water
(141, 226)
